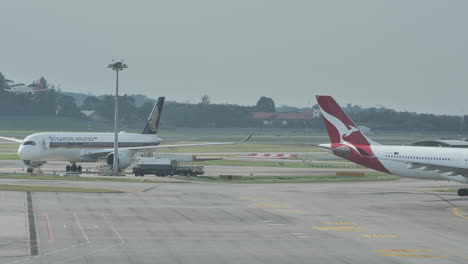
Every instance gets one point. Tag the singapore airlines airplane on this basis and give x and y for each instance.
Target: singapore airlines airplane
(431, 163)
(37, 149)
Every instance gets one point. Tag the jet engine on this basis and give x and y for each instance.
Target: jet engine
(342, 151)
(125, 159)
(33, 164)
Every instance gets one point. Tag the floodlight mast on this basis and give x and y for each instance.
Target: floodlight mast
(116, 66)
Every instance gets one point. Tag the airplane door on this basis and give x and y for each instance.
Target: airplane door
(44, 144)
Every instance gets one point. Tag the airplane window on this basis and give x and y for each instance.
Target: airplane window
(29, 143)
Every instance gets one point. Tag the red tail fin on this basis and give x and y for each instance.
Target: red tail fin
(341, 129)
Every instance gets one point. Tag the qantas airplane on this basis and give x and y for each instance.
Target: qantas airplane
(37, 149)
(430, 163)
(20, 88)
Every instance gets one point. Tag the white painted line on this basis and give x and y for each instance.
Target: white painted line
(82, 230)
(113, 229)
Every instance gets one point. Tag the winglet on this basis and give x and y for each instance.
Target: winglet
(248, 137)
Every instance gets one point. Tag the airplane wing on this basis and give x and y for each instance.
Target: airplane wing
(443, 170)
(12, 139)
(103, 152)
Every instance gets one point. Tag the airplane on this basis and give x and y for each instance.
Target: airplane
(20, 88)
(419, 162)
(36, 149)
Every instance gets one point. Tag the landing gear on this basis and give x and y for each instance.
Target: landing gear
(32, 170)
(73, 168)
(462, 192)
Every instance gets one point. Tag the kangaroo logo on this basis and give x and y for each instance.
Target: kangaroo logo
(343, 130)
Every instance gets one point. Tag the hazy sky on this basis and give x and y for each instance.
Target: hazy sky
(403, 54)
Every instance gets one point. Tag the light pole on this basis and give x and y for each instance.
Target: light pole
(116, 66)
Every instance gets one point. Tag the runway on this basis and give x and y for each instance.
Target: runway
(401, 221)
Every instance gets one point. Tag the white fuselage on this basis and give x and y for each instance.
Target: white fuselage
(408, 161)
(22, 89)
(403, 156)
(76, 147)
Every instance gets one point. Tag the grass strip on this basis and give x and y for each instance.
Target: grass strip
(294, 178)
(244, 147)
(446, 190)
(12, 156)
(30, 188)
(79, 178)
(280, 164)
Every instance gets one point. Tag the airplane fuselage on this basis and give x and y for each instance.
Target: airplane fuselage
(74, 147)
(403, 160)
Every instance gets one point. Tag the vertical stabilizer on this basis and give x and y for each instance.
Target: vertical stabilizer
(152, 124)
(341, 129)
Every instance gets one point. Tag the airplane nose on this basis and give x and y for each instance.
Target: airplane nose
(22, 152)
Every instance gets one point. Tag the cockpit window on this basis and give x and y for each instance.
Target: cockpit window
(29, 143)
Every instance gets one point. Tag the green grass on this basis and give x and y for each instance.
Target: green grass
(447, 190)
(29, 188)
(9, 146)
(77, 178)
(295, 178)
(279, 164)
(244, 147)
(9, 157)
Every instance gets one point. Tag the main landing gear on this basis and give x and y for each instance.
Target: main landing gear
(32, 170)
(463, 192)
(73, 168)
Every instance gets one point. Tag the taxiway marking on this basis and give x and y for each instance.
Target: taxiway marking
(340, 223)
(49, 232)
(267, 205)
(339, 228)
(401, 250)
(408, 253)
(379, 236)
(81, 228)
(456, 212)
(293, 211)
(411, 255)
(113, 229)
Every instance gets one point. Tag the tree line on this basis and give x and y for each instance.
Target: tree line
(207, 114)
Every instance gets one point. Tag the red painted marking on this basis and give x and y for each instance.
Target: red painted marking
(49, 233)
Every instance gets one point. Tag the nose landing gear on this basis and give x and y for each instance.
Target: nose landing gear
(73, 168)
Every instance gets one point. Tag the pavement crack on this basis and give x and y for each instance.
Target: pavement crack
(445, 200)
